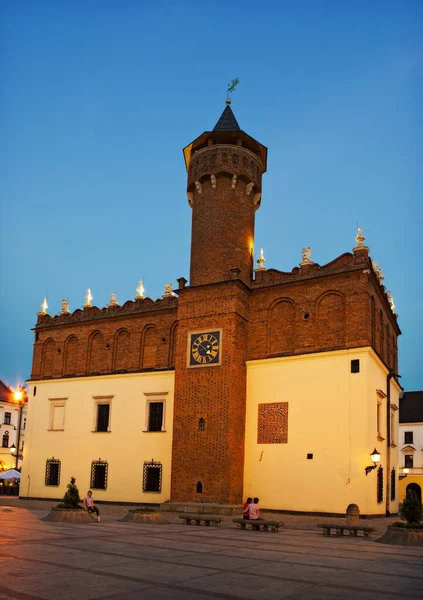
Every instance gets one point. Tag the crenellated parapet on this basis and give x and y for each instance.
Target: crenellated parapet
(93, 313)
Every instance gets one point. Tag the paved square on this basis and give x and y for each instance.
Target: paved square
(113, 560)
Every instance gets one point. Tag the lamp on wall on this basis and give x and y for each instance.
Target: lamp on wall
(405, 471)
(13, 453)
(375, 456)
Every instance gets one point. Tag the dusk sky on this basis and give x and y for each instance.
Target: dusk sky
(99, 98)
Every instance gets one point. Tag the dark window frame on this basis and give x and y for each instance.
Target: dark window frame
(393, 485)
(95, 478)
(147, 477)
(7, 418)
(52, 462)
(103, 417)
(380, 485)
(409, 461)
(5, 440)
(408, 437)
(155, 415)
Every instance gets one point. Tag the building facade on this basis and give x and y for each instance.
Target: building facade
(244, 382)
(411, 443)
(12, 418)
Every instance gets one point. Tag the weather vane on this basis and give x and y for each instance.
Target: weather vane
(231, 89)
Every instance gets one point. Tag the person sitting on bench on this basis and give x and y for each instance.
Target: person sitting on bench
(254, 510)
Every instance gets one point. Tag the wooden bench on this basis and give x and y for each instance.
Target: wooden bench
(339, 529)
(201, 519)
(258, 524)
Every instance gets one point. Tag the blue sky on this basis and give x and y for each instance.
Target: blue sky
(98, 99)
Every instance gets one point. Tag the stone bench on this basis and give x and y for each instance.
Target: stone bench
(201, 519)
(258, 524)
(339, 529)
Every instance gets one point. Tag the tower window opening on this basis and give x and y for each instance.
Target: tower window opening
(355, 366)
(199, 488)
(201, 424)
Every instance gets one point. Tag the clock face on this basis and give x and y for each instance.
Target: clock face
(204, 348)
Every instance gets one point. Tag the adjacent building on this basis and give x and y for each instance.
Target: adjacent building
(248, 381)
(411, 443)
(13, 408)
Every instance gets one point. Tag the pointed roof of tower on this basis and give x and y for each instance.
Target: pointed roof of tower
(227, 121)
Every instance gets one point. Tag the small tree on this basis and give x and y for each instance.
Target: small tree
(71, 499)
(411, 510)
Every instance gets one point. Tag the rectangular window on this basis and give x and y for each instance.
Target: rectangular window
(393, 430)
(155, 416)
(408, 461)
(99, 472)
(393, 484)
(52, 472)
(7, 418)
(380, 485)
(152, 477)
(103, 411)
(355, 366)
(5, 440)
(408, 437)
(378, 418)
(58, 417)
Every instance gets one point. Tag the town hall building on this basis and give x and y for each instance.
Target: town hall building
(241, 382)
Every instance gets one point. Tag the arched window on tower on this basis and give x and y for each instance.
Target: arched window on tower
(199, 488)
(201, 424)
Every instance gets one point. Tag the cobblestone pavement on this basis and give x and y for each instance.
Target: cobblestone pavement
(112, 560)
(114, 512)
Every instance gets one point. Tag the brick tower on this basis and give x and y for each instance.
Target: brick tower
(225, 168)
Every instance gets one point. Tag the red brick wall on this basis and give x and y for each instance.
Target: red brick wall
(272, 424)
(215, 456)
(68, 346)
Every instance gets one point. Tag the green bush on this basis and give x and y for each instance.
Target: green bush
(411, 510)
(71, 499)
(144, 509)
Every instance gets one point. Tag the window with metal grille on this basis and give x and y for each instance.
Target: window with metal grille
(7, 418)
(380, 485)
(5, 441)
(99, 472)
(152, 477)
(52, 471)
(408, 461)
(155, 416)
(201, 424)
(408, 437)
(393, 485)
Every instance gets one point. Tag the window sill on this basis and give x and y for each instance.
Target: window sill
(95, 431)
(380, 438)
(149, 431)
(55, 430)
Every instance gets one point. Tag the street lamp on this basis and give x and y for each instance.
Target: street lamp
(375, 456)
(19, 398)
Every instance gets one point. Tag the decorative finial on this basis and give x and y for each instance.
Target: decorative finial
(44, 307)
(306, 257)
(231, 89)
(113, 301)
(140, 291)
(260, 261)
(391, 301)
(88, 299)
(65, 308)
(167, 290)
(359, 238)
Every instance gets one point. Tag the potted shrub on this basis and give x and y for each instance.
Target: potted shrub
(409, 531)
(144, 514)
(69, 509)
